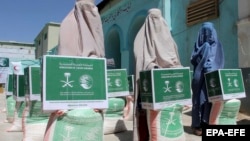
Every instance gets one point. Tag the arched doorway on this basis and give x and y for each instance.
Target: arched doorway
(112, 49)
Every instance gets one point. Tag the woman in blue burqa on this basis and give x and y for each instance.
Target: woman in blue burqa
(207, 56)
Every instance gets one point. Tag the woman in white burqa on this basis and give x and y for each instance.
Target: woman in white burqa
(81, 31)
(154, 47)
(81, 34)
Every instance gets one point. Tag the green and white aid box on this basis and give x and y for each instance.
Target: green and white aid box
(32, 78)
(160, 88)
(131, 85)
(18, 87)
(9, 85)
(70, 82)
(224, 84)
(117, 80)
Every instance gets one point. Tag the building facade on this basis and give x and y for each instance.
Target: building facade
(47, 40)
(16, 51)
(122, 20)
(13, 52)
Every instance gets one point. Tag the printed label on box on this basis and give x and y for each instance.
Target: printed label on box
(117, 82)
(224, 84)
(74, 82)
(163, 87)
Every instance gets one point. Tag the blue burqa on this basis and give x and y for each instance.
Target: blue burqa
(207, 56)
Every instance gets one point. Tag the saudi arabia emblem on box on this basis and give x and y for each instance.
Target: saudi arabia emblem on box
(70, 82)
(163, 87)
(117, 80)
(224, 84)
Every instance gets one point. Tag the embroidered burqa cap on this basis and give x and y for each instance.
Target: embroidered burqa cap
(154, 47)
(81, 32)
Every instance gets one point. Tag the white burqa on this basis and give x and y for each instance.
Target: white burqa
(153, 47)
(81, 31)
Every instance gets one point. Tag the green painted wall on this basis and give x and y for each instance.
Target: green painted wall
(225, 26)
(122, 22)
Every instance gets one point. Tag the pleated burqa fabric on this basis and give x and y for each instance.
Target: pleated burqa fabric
(81, 32)
(154, 47)
(207, 56)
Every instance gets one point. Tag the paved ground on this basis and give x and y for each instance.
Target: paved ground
(123, 136)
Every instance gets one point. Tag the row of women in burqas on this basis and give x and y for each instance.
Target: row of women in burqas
(81, 34)
(154, 48)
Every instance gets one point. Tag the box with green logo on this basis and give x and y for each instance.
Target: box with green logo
(131, 84)
(117, 80)
(32, 78)
(163, 87)
(224, 84)
(18, 87)
(9, 85)
(72, 82)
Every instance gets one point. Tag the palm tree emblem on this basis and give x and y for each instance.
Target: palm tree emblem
(67, 82)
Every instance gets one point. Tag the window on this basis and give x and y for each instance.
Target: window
(45, 36)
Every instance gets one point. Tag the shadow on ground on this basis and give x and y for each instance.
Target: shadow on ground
(188, 113)
(125, 136)
(188, 130)
(243, 122)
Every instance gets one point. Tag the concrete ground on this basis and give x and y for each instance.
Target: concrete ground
(123, 136)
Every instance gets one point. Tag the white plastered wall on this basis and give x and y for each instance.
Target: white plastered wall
(243, 26)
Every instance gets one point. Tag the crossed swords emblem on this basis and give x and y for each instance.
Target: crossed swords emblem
(67, 82)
